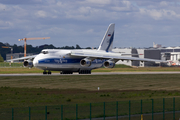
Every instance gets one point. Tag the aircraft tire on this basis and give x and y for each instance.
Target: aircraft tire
(44, 72)
(85, 72)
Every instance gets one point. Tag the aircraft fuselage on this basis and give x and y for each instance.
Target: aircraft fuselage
(61, 60)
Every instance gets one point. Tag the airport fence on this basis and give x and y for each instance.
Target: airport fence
(148, 109)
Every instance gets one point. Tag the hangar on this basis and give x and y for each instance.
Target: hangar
(171, 54)
(141, 53)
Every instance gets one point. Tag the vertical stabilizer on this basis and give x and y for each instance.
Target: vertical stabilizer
(107, 41)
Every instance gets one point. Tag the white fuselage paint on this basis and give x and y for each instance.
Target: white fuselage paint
(61, 60)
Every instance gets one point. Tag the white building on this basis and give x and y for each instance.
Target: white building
(171, 54)
(141, 53)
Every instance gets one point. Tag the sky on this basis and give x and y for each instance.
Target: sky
(138, 23)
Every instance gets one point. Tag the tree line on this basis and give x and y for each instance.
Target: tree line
(31, 49)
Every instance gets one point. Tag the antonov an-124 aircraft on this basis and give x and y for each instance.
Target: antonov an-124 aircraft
(82, 61)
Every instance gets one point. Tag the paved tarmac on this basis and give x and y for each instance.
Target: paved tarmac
(93, 73)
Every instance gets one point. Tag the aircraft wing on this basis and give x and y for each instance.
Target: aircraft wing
(23, 58)
(109, 55)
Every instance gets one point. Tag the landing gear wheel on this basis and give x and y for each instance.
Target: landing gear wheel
(49, 72)
(85, 72)
(44, 72)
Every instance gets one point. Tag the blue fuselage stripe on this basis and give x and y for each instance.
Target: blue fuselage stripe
(66, 61)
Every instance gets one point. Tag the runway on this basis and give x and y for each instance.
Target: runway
(93, 73)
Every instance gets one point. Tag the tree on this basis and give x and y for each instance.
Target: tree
(77, 46)
(88, 48)
(1, 58)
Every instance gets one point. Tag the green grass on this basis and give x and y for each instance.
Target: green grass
(19, 70)
(24, 97)
(15, 70)
(97, 110)
(53, 90)
(7, 64)
(37, 92)
(122, 66)
(138, 69)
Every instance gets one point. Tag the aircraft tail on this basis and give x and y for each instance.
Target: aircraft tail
(107, 41)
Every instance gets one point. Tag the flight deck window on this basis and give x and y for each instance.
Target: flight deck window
(44, 52)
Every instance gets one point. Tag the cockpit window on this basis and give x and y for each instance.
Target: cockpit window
(44, 52)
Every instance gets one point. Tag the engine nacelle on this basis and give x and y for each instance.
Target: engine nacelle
(28, 63)
(85, 62)
(109, 64)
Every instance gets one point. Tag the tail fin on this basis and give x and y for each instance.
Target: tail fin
(107, 41)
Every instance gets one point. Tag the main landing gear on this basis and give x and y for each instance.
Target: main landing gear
(85, 72)
(49, 72)
(80, 72)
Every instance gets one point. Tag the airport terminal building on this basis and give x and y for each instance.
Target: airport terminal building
(171, 54)
(141, 53)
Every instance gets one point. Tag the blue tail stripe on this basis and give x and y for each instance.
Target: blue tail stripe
(110, 42)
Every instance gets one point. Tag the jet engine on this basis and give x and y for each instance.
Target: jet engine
(85, 62)
(109, 64)
(28, 63)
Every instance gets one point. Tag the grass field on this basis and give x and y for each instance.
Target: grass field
(53, 90)
(37, 92)
(8, 64)
(14, 70)
(6, 68)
